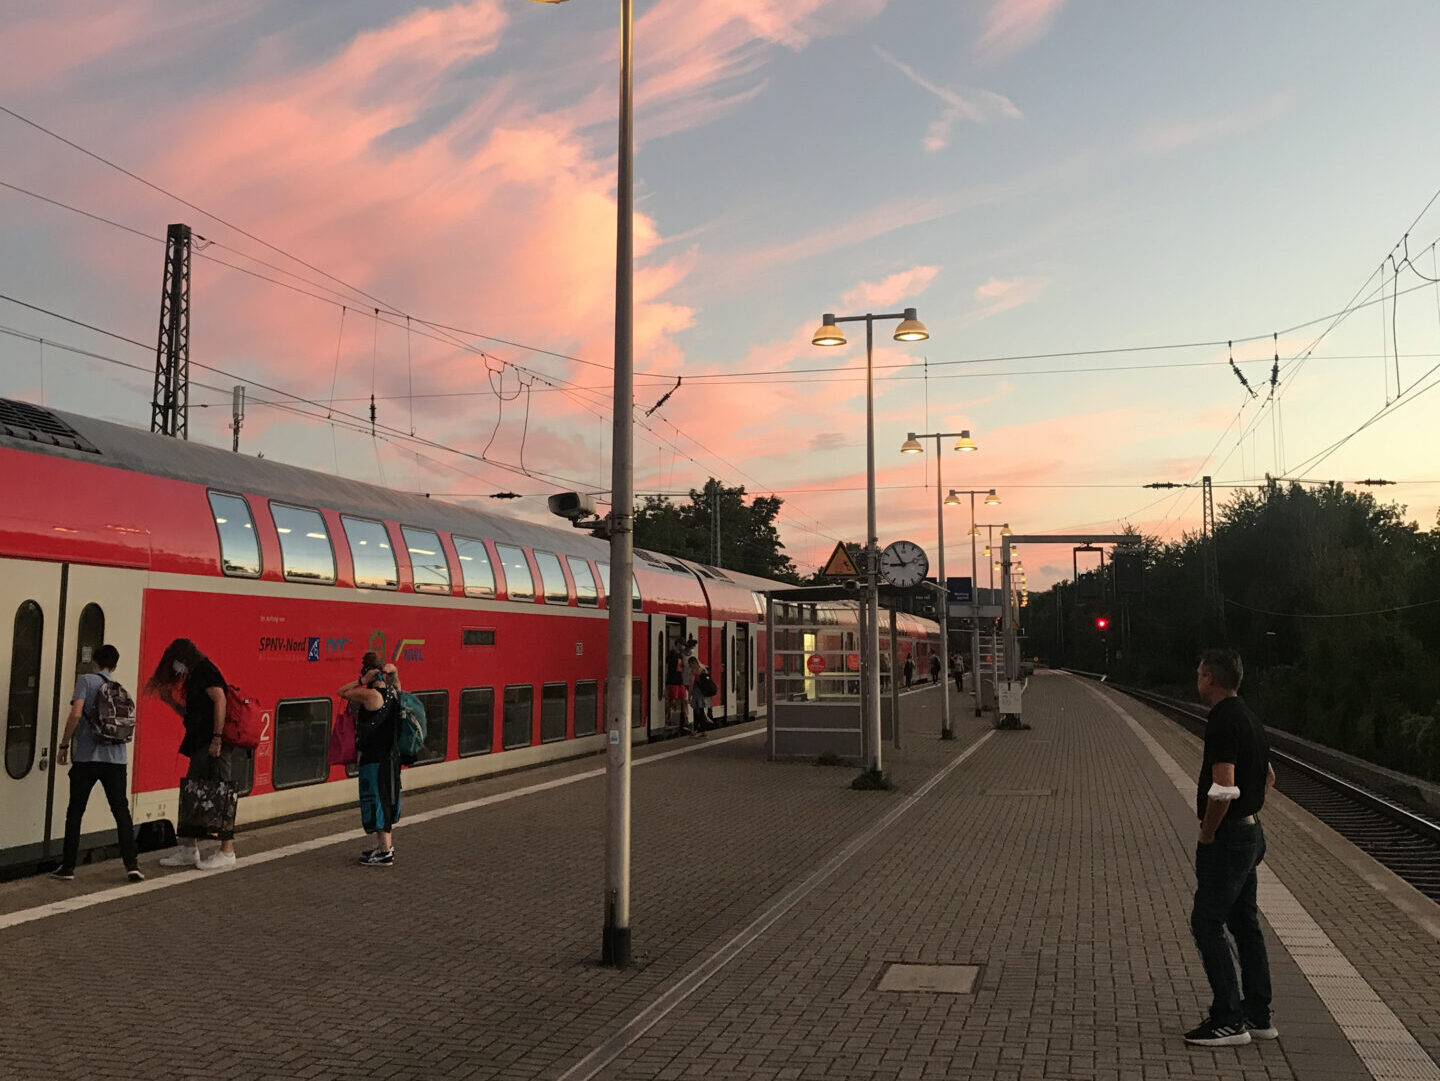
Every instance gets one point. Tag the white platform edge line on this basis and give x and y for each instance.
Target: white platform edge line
(1381, 1039)
(694, 979)
(179, 878)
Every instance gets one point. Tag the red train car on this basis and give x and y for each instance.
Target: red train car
(285, 577)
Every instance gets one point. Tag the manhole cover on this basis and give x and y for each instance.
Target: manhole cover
(1021, 792)
(945, 979)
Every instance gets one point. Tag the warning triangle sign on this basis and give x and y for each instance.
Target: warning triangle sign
(840, 565)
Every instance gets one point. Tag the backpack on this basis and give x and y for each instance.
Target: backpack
(412, 728)
(114, 719)
(706, 682)
(242, 719)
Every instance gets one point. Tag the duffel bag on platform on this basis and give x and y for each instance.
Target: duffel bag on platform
(207, 807)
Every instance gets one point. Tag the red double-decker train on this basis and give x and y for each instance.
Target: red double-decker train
(286, 577)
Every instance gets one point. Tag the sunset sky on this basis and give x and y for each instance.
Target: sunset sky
(1063, 190)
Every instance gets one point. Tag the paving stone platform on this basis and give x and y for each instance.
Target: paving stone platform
(768, 902)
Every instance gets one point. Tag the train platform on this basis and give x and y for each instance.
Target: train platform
(1043, 877)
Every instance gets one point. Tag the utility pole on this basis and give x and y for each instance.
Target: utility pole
(1214, 604)
(170, 403)
(237, 416)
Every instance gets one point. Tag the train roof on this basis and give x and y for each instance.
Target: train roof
(84, 439)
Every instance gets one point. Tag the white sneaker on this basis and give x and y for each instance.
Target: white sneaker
(217, 861)
(182, 857)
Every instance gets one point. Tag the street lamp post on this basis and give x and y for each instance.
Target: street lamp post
(909, 330)
(912, 445)
(615, 943)
(991, 499)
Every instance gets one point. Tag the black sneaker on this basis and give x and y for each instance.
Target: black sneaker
(63, 874)
(1209, 1034)
(1261, 1030)
(379, 858)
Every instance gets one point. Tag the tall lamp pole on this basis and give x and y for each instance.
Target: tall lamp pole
(909, 330)
(912, 445)
(615, 943)
(991, 499)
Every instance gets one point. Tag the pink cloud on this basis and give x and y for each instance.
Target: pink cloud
(900, 286)
(1168, 136)
(967, 104)
(1012, 26)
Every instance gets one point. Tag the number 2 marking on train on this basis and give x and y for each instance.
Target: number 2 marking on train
(264, 728)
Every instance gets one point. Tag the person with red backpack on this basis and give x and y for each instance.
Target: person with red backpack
(101, 722)
(189, 683)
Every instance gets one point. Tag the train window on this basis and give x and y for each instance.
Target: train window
(371, 552)
(518, 730)
(304, 544)
(552, 578)
(427, 560)
(634, 585)
(637, 704)
(587, 708)
(477, 636)
(475, 569)
(302, 742)
(554, 703)
(89, 636)
(22, 719)
(586, 594)
(239, 548)
(437, 723)
(519, 582)
(477, 720)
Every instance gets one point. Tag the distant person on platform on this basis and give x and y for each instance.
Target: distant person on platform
(934, 668)
(909, 670)
(957, 669)
(1234, 777)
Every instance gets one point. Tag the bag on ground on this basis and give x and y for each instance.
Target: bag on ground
(342, 739)
(207, 807)
(114, 719)
(242, 719)
(412, 728)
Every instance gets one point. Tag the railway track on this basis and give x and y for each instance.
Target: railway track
(1403, 839)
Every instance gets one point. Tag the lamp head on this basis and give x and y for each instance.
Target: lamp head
(965, 442)
(953, 499)
(829, 333)
(1006, 531)
(911, 329)
(974, 530)
(992, 500)
(911, 445)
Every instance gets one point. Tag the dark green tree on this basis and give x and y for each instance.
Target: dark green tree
(749, 540)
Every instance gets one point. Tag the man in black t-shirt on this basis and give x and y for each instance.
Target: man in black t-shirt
(1230, 791)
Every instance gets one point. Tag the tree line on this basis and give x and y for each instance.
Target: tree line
(1331, 598)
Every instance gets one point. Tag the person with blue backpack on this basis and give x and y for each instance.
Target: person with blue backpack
(377, 746)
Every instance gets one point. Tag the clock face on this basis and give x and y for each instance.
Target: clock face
(904, 564)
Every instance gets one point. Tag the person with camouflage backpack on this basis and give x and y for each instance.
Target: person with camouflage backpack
(377, 744)
(101, 722)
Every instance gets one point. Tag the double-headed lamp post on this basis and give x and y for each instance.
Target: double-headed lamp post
(912, 445)
(615, 943)
(909, 330)
(991, 499)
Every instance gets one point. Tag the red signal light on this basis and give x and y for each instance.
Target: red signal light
(1102, 623)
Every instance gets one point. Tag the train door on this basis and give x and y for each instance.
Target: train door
(719, 668)
(102, 604)
(740, 671)
(670, 644)
(30, 617)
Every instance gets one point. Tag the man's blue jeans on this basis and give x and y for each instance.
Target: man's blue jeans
(1225, 898)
